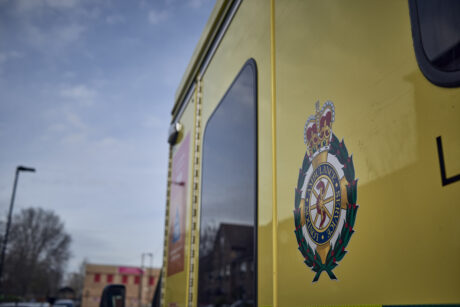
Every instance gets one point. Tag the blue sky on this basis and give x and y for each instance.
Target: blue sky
(86, 90)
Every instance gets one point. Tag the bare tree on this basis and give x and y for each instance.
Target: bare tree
(207, 237)
(75, 280)
(37, 253)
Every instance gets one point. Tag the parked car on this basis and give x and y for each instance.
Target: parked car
(63, 303)
(22, 304)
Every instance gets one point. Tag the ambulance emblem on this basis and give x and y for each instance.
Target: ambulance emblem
(325, 197)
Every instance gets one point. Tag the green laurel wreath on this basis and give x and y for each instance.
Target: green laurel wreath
(336, 252)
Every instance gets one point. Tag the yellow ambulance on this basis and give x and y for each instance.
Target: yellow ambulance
(315, 157)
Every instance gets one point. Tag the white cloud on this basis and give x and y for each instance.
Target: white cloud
(156, 17)
(55, 39)
(59, 128)
(75, 130)
(61, 3)
(153, 121)
(38, 27)
(2, 129)
(28, 5)
(74, 139)
(75, 120)
(197, 3)
(69, 33)
(15, 54)
(114, 19)
(80, 93)
(5, 56)
(109, 142)
(66, 124)
(69, 74)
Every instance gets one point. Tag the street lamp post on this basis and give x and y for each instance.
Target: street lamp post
(8, 223)
(150, 275)
(142, 276)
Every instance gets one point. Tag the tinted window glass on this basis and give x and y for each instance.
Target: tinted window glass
(440, 31)
(436, 33)
(229, 197)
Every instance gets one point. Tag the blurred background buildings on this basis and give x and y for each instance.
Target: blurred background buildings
(98, 276)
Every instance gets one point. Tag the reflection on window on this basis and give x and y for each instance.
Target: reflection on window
(440, 32)
(243, 267)
(228, 200)
(436, 35)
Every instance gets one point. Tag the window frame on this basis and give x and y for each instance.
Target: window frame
(252, 63)
(431, 72)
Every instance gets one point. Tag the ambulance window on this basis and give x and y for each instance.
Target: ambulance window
(229, 197)
(436, 35)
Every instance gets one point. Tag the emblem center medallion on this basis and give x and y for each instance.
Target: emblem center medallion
(323, 201)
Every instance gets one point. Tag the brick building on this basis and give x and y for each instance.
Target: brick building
(227, 269)
(98, 276)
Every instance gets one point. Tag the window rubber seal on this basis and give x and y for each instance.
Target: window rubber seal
(431, 72)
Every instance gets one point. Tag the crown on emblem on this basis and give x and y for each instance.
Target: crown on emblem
(318, 129)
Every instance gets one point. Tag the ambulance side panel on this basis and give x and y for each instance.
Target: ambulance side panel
(359, 55)
(248, 37)
(177, 240)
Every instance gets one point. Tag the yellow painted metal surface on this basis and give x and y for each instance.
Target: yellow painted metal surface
(249, 37)
(359, 55)
(191, 190)
(274, 154)
(209, 32)
(175, 285)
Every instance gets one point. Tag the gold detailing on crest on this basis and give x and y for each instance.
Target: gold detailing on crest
(323, 250)
(321, 201)
(343, 190)
(320, 158)
(302, 212)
